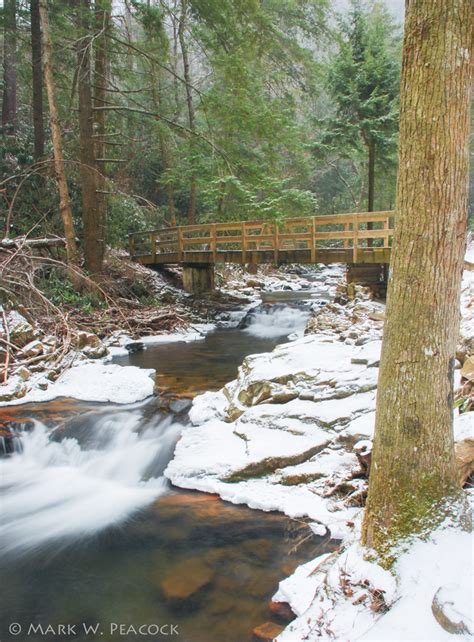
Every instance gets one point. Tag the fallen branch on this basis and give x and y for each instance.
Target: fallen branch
(21, 241)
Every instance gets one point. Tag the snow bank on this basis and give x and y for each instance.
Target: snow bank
(344, 597)
(96, 382)
(281, 455)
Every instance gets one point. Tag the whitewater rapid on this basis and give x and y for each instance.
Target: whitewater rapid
(273, 321)
(64, 490)
(99, 469)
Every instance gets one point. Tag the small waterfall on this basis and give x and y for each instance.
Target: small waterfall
(65, 488)
(10, 442)
(273, 321)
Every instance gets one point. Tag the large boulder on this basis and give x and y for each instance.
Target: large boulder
(308, 366)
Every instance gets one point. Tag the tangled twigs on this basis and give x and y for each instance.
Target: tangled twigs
(31, 282)
(7, 348)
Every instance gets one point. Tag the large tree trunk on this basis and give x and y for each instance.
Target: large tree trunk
(103, 11)
(412, 468)
(64, 202)
(189, 100)
(9, 65)
(37, 84)
(88, 169)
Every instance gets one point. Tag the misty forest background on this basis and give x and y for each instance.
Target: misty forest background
(182, 111)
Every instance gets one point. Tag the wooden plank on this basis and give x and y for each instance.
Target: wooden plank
(296, 237)
(198, 239)
(375, 234)
(229, 239)
(334, 235)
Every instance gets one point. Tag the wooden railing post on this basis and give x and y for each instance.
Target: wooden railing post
(386, 226)
(213, 247)
(180, 245)
(355, 238)
(276, 242)
(313, 240)
(346, 241)
(153, 247)
(244, 243)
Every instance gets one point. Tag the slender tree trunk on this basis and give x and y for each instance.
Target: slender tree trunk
(371, 187)
(37, 85)
(102, 19)
(190, 104)
(163, 140)
(88, 169)
(412, 468)
(64, 202)
(9, 65)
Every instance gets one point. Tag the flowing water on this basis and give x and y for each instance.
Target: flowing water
(93, 536)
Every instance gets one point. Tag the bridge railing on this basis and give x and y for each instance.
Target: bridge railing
(350, 232)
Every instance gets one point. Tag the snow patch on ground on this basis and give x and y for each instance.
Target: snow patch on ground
(338, 597)
(94, 381)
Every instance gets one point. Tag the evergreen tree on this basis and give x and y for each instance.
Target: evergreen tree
(363, 83)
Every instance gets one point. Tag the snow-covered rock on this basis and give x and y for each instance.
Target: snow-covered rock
(96, 382)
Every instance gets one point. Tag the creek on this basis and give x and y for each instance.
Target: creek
(92, 534)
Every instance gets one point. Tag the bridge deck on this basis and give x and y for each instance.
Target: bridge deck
(341, 238)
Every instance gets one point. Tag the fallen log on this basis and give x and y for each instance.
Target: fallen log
(21, 241)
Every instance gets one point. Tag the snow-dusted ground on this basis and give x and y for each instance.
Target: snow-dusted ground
(343, 593)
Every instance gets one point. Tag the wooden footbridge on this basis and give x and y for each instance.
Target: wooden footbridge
(360, 239)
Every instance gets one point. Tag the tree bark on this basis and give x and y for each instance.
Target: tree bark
(413, 457)
(64, 202)
(37, 77)
(9, 65)
(102, 18)
(88, 168)
(190, 104)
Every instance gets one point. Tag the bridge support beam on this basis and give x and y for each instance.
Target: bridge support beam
(198, 277)
(372, 275)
